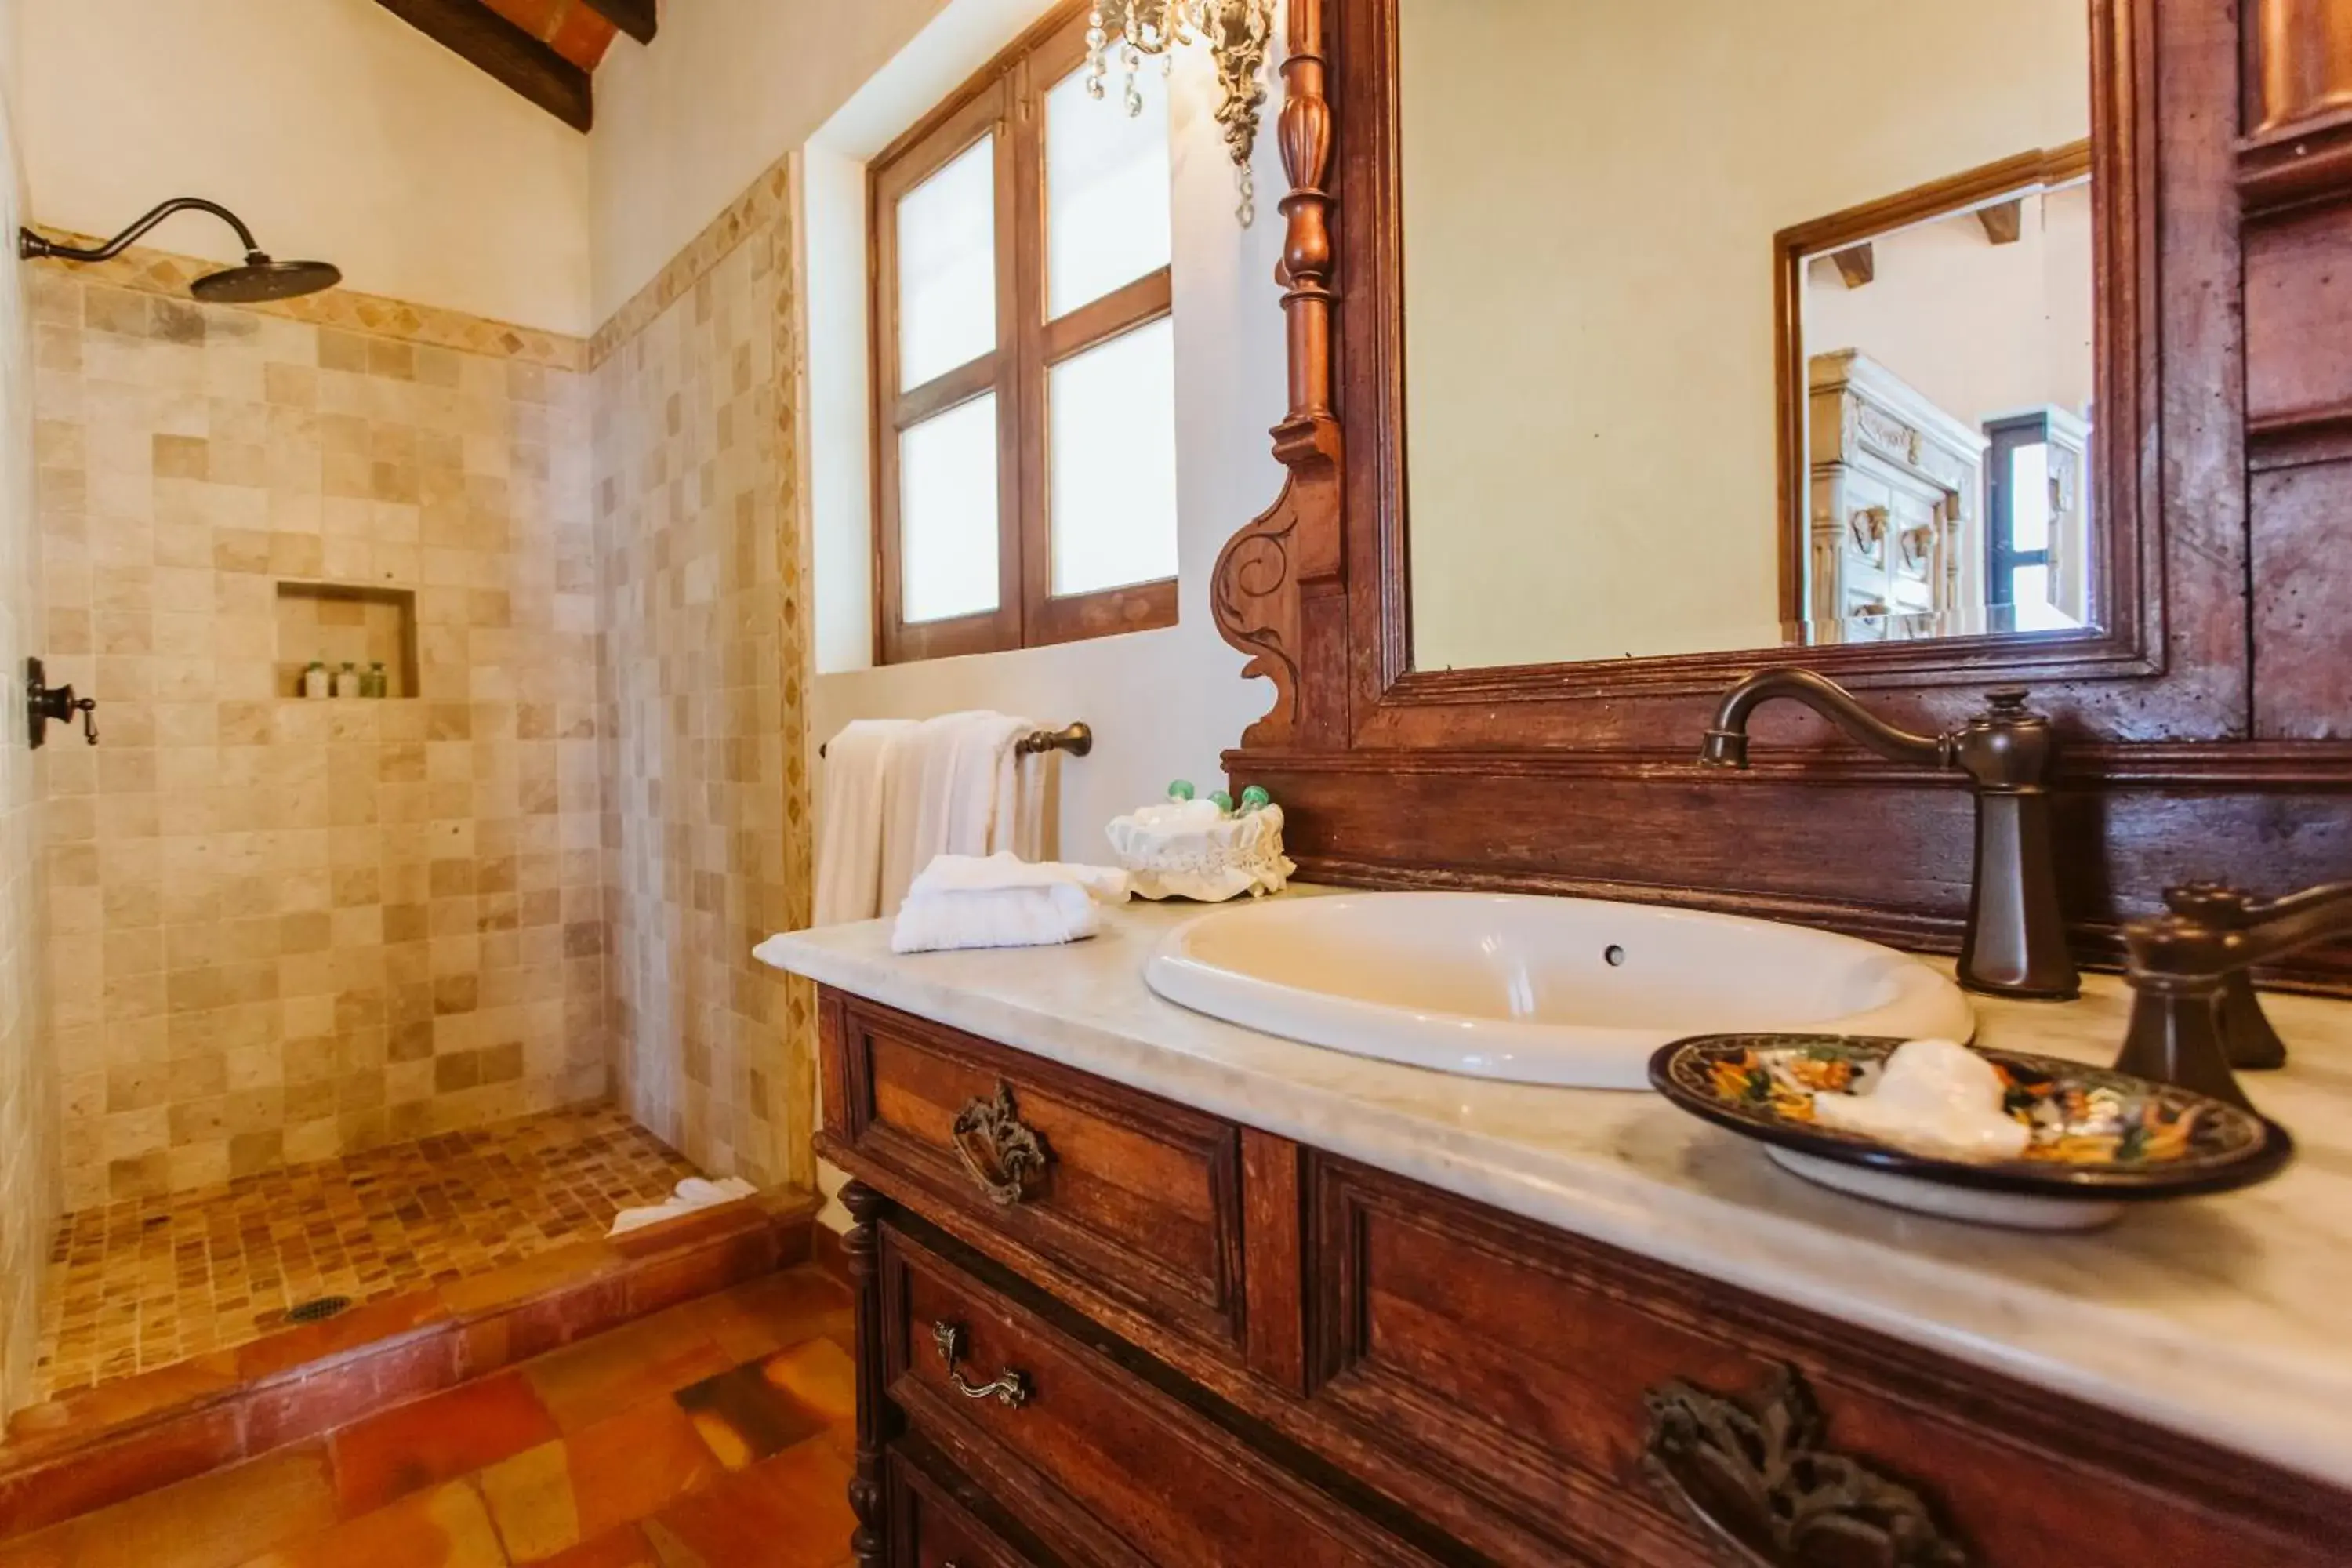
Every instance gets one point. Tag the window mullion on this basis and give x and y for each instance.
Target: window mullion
(1027, 530)
(1009, 415)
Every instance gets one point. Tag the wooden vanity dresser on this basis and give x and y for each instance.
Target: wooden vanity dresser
(1097, 1327)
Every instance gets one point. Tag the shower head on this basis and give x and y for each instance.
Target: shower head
(261, 278)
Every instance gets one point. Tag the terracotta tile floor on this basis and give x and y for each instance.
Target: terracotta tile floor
(147, 1282)
(582, 1459)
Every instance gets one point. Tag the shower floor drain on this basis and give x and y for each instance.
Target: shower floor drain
(325, 1307)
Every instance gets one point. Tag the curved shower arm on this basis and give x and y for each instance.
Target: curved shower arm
(30, 245)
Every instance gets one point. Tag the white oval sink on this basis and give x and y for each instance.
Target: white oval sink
(1576, 991)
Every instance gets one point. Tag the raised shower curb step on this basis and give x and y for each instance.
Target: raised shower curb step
(98, 1446)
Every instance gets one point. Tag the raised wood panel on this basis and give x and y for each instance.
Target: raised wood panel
(1093, 1439)
(1271, 1200)
(2298, 294)
(2301, 57)
(1139, 1195)
(1519, 1357)
(2302, 601)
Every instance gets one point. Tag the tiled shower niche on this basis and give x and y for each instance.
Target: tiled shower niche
(338, 624)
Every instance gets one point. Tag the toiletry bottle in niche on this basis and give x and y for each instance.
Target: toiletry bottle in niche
(375, 682)
(316, 683)
(347, 681)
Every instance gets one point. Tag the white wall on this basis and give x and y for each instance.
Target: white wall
(1590, 314)
(728, 88)
(1164, 703)
(332, 126)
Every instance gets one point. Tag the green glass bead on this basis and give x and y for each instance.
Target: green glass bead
(1180, 790)
(1256, 798)
(1225, 802)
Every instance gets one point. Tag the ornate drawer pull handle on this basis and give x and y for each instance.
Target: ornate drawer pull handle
(1753, 1477)
(1011, 1388)
(1009, 1149)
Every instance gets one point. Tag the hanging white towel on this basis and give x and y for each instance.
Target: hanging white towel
(941, 794)
(857, 768)
(1023, 797)
(962, 902)
(984, 784)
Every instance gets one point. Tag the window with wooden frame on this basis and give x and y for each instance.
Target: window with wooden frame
(1023, 364)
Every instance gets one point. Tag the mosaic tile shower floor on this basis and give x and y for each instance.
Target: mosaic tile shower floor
(146, 1282)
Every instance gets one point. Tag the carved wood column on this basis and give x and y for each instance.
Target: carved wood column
(870, 1545)
(1264, 571)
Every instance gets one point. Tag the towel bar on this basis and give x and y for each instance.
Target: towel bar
(1077, 739)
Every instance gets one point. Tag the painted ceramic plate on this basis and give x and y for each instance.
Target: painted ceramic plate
(2097, 1135)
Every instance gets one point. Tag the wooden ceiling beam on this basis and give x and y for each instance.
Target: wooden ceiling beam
(641, 19)
(477, 33)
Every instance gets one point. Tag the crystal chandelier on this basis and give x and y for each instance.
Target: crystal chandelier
(1238, 33)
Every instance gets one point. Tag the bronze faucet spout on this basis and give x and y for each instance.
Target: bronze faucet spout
(2015, 941)
(1726, 738)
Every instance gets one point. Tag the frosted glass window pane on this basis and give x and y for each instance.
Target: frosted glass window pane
(947, 268)
(1107, 188)
(947, 513)
(2028, 504)
(1113, 452)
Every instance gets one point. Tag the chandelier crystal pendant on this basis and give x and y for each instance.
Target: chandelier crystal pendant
(1238, 32)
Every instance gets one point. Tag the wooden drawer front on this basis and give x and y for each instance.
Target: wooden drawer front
(1138, 1197)
(1102, 1466)
(1523, 1362)
(929, 1529)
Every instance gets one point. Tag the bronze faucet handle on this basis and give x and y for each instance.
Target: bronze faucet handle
(2196, 1014)
(2215, 904)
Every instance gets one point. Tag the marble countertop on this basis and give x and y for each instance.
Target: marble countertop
(2228, 1318)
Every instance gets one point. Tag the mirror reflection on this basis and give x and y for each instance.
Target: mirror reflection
(1735, 325)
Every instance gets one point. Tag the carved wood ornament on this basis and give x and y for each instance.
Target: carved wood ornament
(1758, 1480)
(1265, 569)
(2205, 730)
(997, 1150)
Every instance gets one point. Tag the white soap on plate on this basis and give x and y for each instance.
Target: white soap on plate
(1935, 1097)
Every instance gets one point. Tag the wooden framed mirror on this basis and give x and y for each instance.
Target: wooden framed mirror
(2204, 710)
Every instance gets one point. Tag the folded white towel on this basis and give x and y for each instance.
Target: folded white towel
(962, 902)
(975, 874)
(1005, 917)
(692, 1194)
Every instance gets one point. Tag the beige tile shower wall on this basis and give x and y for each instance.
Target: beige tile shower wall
(280, 929)
(29, 1099)
(697, 458)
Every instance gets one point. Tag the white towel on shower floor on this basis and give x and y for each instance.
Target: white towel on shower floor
(692, 1194)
